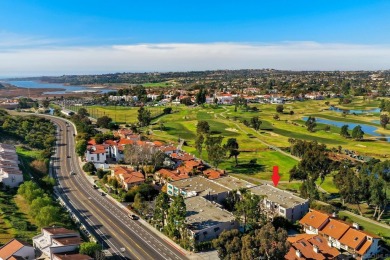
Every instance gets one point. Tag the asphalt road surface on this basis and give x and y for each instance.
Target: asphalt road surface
(108, 222)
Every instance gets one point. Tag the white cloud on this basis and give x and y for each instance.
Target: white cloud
(192, 56)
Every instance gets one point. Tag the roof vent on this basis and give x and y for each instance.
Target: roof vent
(355, 225)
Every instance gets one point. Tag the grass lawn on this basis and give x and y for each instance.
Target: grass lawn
(328, 184)
(158, 84)
(14, 221)
(26, 156)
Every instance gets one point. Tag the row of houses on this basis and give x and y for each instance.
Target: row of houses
(327, 237)
(54, 243)
(10, 174)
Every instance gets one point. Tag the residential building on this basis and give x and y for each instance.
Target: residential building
(305, 246)
(206, 220)
(55, 240)
(163, 176)
(314, 221)
(198, 186)
(340, 235)
(97, 154)
(10, 174)
(233, 183)
(127, 177)
(16, 249)
(212, 174)
(277, 202)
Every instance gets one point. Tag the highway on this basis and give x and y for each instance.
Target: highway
(123, 237)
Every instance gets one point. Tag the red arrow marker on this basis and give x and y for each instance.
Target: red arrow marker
(276, 176)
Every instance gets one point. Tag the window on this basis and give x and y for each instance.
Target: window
(282, 211)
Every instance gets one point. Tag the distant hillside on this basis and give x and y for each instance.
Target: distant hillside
(1, 86)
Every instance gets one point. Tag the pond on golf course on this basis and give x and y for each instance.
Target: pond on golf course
(354, 111)
(367, 129)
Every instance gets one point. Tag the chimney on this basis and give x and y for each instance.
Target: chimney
(298, 253)
(315, 249)
(355, 225)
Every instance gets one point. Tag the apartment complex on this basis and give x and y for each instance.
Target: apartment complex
(204, 197)
(10, 174)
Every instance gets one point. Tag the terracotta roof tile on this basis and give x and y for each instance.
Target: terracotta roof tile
(335, 229)
(314, 219)
(10, 248)
(353, 238)
(363, 249)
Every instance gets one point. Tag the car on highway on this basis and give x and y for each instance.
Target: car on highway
(72, 173)
(133, 217)
(68, 156)
(95, 187)
(103, 194)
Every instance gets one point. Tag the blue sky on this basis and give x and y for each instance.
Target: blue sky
(32, 31)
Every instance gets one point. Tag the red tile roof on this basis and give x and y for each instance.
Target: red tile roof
(334, 229)
(213, 174)
(11, 248)
(353, 238)
(314, 219)
(306, 244)
(173, 175)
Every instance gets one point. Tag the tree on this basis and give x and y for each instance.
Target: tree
(38, 203)
(228, 245)
(161, 209)
(167, 110)
(279, 108)
(384, 120)
(255, 123)
(47, 215)
(311, 124)
(203, 127)
(344, 131)
(247, 210)
(357, 133)
(89, 248)
(83, 112)
(273, 243)
(89, 167)
(100, 173)
(378, 196)
(81, 147)
(176, 216)
(232, 146)
(199, 144)
(276, 117)
(144, 116)
(139, 203)
(201, 96)
(103, 122)
(216, 152)
(350, 186)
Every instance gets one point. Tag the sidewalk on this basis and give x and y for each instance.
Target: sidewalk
(190, 255)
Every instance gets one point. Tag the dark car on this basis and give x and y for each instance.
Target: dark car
(103, 194)
(95, 187)
(133, 217)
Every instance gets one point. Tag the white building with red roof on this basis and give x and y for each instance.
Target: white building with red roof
(56, 240)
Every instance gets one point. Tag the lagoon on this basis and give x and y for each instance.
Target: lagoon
(63, 88)
(354, 111)
(367, 129)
